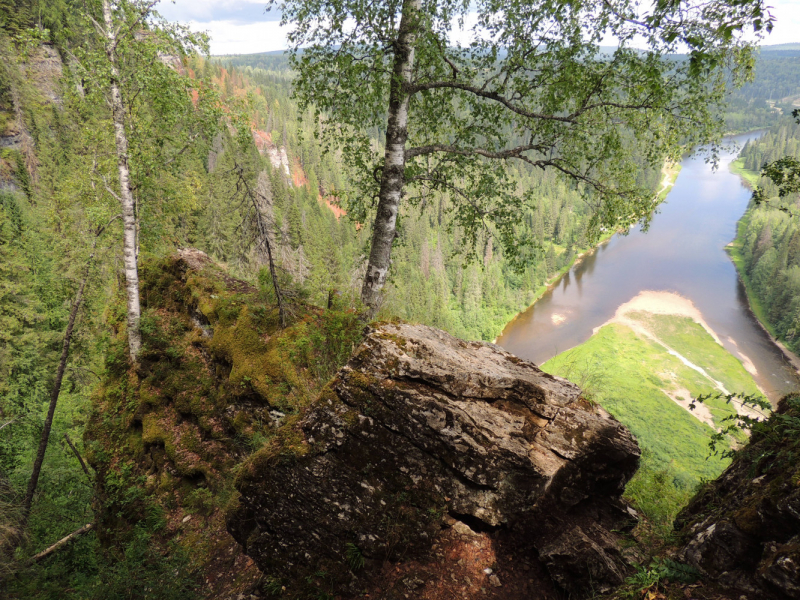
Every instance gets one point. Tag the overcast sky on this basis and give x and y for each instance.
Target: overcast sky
(244, 27)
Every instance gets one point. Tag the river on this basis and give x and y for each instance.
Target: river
(682, 252)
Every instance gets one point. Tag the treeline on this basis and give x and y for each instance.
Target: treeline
(56, 165)
(769, 239)
(432, 279)
(762, 102)
(781, 140)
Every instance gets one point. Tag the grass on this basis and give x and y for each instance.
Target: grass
(654, 493)
(629, 375)
(734, 250)
(673, 171)
(693, 342)
(751, 177)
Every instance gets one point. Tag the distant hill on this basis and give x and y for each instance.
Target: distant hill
(774, 92)
(781, 47)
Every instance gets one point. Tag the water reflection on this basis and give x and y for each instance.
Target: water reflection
(682, 252)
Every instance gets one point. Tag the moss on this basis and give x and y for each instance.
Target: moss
(152, 430)
(197, 404)
(397, 340)
(747, 519)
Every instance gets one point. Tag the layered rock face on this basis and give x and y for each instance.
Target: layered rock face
(423, 444)
(743, 529)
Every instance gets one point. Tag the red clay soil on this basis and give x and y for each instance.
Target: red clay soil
(332, 203)
(299, 178)
(465, 564)
(262, 139)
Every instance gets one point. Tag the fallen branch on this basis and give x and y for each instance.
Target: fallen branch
(61, 543)
(7, 423)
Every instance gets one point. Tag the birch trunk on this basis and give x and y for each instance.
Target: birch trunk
(392, 178)
(126, 193)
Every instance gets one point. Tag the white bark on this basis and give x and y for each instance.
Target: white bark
(62, 542)
(392, 179)
(126, 193)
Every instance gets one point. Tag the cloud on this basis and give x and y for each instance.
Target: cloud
(244, 27)
(787, 22)
(233, 38)
(240, 12)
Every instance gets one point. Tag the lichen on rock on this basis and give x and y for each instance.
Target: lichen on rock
(420, 432)
(743, 529)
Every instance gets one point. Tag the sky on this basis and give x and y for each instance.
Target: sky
(244, 27)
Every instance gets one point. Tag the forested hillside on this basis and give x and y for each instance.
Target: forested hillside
(433, 280)
(767, 249)
(249, 155)
(776, 87)
(144, 448)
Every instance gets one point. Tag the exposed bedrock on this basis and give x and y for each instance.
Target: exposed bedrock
(424, 443)
(743, 529)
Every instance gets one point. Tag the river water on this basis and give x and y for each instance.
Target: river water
(683, 252)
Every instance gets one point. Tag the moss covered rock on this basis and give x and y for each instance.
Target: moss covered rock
(421, 434)
(217, 379)
(743, 529)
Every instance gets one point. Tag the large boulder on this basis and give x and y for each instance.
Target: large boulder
(743, 529)
(429, 459)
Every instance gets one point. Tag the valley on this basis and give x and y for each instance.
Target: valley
(246, 304)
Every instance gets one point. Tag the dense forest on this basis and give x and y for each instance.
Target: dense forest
(57, 229)
(433, 280)
(769, 239)
(227, 151)
(762, 102)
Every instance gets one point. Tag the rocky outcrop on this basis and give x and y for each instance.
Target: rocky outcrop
(38, 78)
(422, 445)
(743, 529)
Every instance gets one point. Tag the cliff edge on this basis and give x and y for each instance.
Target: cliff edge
(743, 529)
(438, 467)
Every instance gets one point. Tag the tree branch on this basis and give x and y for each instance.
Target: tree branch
(481, 93)
(186, 146)
(502, 154)
(7, 423)
(109, 190)
(144, 12)
(79, 457)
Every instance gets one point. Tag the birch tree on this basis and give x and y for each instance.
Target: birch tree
(110, 32)
(137, 73)
(529, 84)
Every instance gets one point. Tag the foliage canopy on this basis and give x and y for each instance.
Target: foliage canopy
(531, 84)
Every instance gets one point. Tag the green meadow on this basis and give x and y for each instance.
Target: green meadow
(633, 376)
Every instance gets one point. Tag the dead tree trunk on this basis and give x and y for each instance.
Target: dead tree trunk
(48, 422)
(258, 202)
(61, 543)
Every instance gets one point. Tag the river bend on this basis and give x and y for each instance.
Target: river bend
(683, 252)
